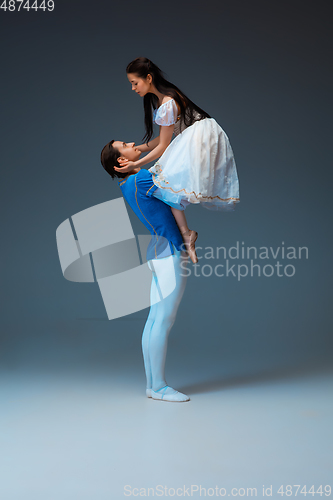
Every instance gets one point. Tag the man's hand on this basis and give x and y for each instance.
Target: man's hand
(125, 164)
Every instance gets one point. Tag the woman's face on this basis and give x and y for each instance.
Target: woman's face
(140, 85)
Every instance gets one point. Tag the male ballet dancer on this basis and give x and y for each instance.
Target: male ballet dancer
(165, 254)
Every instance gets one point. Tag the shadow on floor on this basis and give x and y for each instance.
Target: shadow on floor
(302, 369)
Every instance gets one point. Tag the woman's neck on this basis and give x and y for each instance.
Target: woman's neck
(158, 94)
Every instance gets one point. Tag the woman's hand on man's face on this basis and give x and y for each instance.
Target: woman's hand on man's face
(125, 164)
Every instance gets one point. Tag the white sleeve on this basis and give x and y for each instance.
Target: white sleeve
(167, 113)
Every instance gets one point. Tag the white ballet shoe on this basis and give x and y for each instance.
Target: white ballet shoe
(148, 393)
(169, 394)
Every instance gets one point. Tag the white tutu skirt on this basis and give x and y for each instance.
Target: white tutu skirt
(198, 166)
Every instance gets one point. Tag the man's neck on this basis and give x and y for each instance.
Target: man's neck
(132, 172)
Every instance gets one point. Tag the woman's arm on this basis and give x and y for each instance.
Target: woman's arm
(144, 148)
(165, 139)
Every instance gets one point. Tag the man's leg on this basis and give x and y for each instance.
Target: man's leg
(159, 322)
(154, 297)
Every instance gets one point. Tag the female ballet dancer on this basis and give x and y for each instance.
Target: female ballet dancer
(198, 165)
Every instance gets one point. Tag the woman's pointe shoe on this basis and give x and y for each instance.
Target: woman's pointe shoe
(191, 237)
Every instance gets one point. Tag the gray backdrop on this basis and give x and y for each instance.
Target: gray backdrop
(261, 69)
(75, 421)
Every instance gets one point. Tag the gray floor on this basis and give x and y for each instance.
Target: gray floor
(85, 430)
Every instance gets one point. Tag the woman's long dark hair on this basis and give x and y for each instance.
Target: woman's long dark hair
(143, 67)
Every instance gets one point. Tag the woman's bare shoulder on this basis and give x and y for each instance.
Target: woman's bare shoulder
(166, 98)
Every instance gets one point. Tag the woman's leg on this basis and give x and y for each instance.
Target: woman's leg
(180, 218)
(189, 236)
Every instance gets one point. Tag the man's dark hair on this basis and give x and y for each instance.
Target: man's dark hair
(109, 157)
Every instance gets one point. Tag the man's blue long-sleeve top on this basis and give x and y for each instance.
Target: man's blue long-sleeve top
(137, 190)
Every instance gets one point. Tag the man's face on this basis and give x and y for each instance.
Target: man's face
(127, 150)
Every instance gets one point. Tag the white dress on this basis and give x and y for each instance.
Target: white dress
(198, 166)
